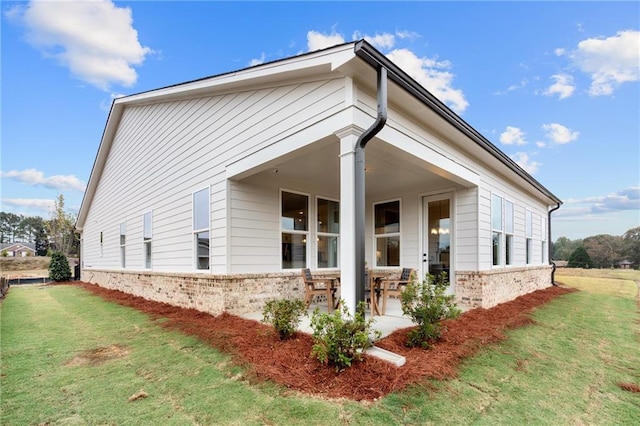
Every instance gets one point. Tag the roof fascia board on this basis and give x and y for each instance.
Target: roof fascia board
(376, 59)
(313, 63)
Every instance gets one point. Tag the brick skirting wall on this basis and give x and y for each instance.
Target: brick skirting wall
(214, 294)
(244, 293)
(485, 289)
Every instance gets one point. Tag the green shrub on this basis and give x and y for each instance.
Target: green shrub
(339, 339)
(59, 267)
(5, 253)
(284, 315)
(427, 305)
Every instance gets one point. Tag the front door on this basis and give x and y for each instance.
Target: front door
(436, 236)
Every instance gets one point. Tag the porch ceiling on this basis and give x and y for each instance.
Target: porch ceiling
(388, 169)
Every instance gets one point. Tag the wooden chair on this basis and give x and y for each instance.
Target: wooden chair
(394, 287)
(318, 287)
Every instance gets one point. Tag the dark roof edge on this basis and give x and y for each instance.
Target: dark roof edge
(375, 58)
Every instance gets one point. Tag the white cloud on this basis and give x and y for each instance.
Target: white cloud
(559, 133)
(431, 74)
(625, 199)
(380, 41)
(258, 61)
(523, 160)
(317, 40)
(541, 144)
(35, 177)
(96, 40)
(512, 136)
(563, 86)
(609, 61)
(40, 204)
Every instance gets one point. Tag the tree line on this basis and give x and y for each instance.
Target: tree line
(55, 234)
(599, 251)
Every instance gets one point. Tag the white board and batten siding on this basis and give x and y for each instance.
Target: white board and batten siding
(163, 152)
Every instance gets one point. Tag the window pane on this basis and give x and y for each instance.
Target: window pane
(122, 257)
(388, 251)
(294, 211)
(496, 212)
(147, 226)
(387, 217)
(496, 248)
(509, 249)
(294, 251)
(529, 224)
(202, 250)
(508, 217)
(201, 209)
(327, 252)
(147, 254)
(328, 216)
(529, 253)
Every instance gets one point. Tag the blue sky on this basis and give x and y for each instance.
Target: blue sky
(555, 85)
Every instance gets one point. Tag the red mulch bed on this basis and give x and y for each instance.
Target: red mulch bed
(256, 346)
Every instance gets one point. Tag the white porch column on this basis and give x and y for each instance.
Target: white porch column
(348, 138)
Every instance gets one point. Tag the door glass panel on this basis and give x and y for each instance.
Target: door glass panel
(439, 237)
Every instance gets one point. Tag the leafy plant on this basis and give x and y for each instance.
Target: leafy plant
(284, 315)
(59, 267)
(340, 339)
(427, 304)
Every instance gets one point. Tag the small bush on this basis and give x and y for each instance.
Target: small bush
(5, 253)
(427, 305)
(339, 339)
(59, 267)
(284, 315)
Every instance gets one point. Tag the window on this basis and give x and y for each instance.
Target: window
(508, 230)
(146, 240)
(529, 236)
(294, 226)
(387, 233)
(543, 258)
(328, 213)
(201, 224)
(123, 242)
(497, 229)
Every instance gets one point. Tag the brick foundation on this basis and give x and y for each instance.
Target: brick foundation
(245, 293)
(484, 289)
(214, 294)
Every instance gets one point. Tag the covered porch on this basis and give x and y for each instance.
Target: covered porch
(411, 193)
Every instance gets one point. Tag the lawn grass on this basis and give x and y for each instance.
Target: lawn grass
(48, 331)
(565, 369)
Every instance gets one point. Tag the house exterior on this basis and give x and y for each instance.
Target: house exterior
(18, 249)
(213, 194)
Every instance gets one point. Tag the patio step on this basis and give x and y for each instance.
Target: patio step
(395, 359)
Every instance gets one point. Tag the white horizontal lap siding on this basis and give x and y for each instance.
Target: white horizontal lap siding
(163, 152)
(484, 229)
(466, 230)
(254, 228)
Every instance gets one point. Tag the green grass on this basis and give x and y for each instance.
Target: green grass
(565, 369)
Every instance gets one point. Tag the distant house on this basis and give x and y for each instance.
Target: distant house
(625, 264)
(18, 249)
(214, 193)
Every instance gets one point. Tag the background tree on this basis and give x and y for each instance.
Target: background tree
(631, 251)
(604, 250)
(563, 247)
(61, 229)
(580, 259)
(9, 227)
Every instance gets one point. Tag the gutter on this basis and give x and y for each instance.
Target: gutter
(376, 59)
(553, 271)
(359, 181)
